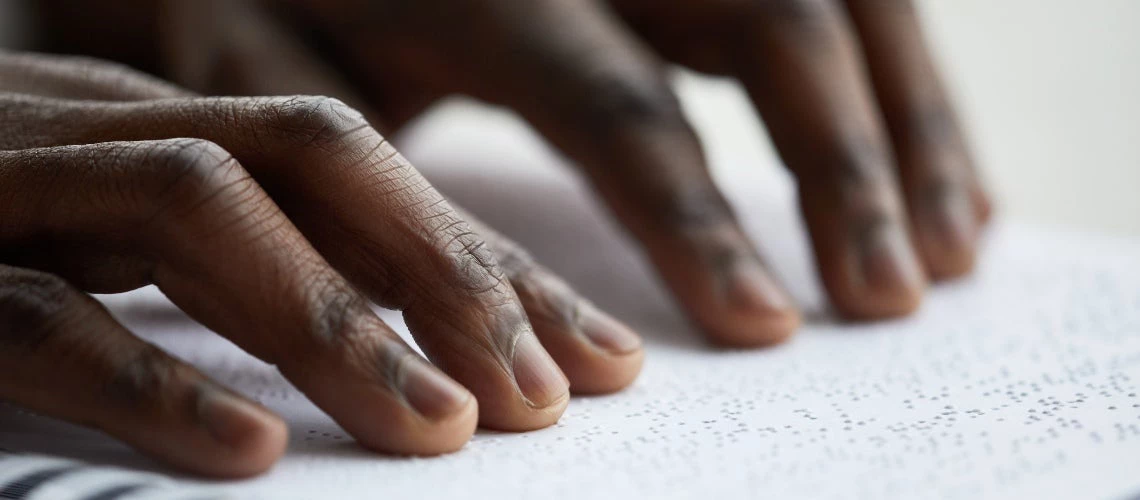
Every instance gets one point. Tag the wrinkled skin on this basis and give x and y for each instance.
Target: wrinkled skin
(273, 221)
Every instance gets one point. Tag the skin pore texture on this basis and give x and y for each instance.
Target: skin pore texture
(113, 179)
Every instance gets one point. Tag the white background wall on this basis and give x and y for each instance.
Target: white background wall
(1051, 90)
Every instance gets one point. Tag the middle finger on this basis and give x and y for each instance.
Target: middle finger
(798, 61)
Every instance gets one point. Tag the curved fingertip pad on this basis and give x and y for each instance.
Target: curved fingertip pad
(388, 422)
(204, 429)
(880, 276)
(605, 332)
(417, 436)
(431, 393)
(386, 396)
(758, 312)
(599, 354)
(253, 437)
(759, 329)
(984, 205)
(883, 303)
(946, 233)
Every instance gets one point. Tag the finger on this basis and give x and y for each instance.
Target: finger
(72, 77)
(797, 59)
(184, 215)
(597, 353)
(378, 221)
(65, 357)
(595, 92)
(945, 197)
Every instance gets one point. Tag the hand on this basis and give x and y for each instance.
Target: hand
(886, 184)
(272, 221)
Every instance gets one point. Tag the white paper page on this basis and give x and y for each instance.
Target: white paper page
(1021, 381)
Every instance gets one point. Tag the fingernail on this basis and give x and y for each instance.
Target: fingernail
(539, 379)
(751, 289)
(887, 260)
(429, 391)
(606, 332)
(228, 418)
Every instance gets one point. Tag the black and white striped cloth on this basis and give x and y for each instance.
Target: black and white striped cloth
(37, 477)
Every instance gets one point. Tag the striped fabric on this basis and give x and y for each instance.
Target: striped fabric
(36, 477)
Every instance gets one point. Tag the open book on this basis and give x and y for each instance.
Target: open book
(1022, 381)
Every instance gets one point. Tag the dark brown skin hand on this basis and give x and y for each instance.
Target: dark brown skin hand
(272, 221)
(846, 88)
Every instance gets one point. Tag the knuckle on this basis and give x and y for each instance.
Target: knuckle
(332, 316)
(342, 330)
(929, 126)
(939, 187)
(617, 98)
(849, 171)
(187, 163)
(694, 208)
(317, 121)
(185, 174)
(515, 262)
(473, 263)
(335, 309)
(547, 298)
(140, 378)
(32, 306)
(468, 262)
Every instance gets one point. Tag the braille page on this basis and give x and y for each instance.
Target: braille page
(1022, 381)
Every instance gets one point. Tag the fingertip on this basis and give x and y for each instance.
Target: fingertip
(983, 205)
(606, 355)
(597, 353)
(946, 235)
(605, 333)
(755, 312)
(527, 418)
(600, 354)
(252, 438)
(605, 373)
(761, 329)
(263, 439)
(947, 261)
(428, 391)
(422, 437)
(886, 278)
(228, 437)
(888, 300)
(385, 415)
